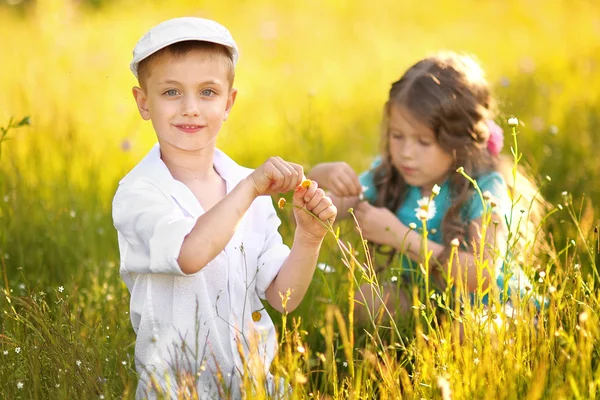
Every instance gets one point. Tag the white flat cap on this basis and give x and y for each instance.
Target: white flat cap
(180, 30)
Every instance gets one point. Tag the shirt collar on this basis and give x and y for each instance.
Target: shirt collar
(152, 168)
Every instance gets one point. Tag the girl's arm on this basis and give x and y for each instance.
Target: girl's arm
(380, 225)
(342, 183)
(337, 177)
(466, 261)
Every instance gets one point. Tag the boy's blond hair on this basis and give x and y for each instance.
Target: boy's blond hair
(212, 51)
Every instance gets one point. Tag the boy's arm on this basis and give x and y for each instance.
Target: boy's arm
(314, 213)
(160, 239)
(215, 228)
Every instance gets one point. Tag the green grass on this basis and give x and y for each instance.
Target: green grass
(309, 95)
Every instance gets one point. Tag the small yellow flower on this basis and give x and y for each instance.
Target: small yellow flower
(256, 316)
(306, 183)
(281, 203)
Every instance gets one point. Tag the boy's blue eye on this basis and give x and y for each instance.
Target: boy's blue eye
(171, 92)
(207, 92)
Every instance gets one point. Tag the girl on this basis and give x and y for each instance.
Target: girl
(438, 118)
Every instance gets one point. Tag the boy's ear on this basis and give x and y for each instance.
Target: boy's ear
(230, 102)
(142, 102)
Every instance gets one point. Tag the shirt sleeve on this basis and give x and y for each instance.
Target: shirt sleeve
(151, 229)
(366, 180)
(274, 251)
(494, 184)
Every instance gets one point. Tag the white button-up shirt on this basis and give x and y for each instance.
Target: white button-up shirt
(193, 323)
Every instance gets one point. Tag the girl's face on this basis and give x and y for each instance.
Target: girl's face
(415, 151)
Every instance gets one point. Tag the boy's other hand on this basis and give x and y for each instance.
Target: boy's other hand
(313, 199)
(276, 176)
(338, 177)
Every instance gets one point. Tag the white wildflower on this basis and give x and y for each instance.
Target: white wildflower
(20, 385)
(422, 215)
(513, 122)
(394, 279)
(5, 352)
(61, 289)
(364, 189)
(455, 242)
(583, 317)
(487, 195)
(78, 362)
(17, 350)
(476, 360)
(345, 364)
(435, 190)
(412, 226)
(426, 209)
(444, 386)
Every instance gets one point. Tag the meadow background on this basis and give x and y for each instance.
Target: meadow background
(312, 79)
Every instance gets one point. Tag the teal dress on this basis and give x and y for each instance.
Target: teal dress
(492, 182)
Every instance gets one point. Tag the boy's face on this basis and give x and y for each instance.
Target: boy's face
(187, 98)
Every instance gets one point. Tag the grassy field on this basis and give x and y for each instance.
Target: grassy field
(312, 80)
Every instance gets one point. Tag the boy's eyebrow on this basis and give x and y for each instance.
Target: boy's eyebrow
(173, 82)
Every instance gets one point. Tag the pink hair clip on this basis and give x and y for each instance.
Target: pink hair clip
(496, 139)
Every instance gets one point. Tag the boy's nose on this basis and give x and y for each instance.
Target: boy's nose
(190, 107)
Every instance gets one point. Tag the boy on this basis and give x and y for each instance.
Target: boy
(197, 236)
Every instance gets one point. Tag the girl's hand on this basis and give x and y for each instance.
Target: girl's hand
(337, 177)
(311, 198)
(276, 176)
(379, 225)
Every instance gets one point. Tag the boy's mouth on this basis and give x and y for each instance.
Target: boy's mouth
(188, 128)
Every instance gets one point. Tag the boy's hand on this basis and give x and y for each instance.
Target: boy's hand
(313, 199)
(276, 176)
(338, 177)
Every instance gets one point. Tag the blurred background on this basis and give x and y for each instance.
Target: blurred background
(312, 78)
